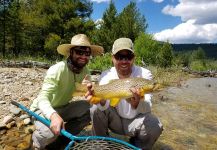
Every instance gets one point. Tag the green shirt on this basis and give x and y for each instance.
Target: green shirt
(57, 89)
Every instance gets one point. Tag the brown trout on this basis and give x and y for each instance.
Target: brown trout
(118, 89)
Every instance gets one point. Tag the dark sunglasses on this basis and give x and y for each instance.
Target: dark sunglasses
(82, 51)
(127, 57)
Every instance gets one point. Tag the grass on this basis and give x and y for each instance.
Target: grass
(168, 76)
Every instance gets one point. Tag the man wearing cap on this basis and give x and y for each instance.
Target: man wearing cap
(131, 117)
(58, 86)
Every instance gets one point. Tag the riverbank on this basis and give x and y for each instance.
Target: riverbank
(187, 109)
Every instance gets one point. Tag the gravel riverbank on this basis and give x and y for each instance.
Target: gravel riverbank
(188, 111)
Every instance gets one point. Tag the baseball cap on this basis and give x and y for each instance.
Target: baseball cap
(122, 44)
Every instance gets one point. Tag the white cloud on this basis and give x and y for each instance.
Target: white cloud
(199, 22)
(189, 33)
(100, 1)
(201, 12)
(99, 23)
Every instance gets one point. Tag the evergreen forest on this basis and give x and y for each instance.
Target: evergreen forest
(34, 28)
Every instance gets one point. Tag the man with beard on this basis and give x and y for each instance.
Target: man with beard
(131, 117)
(58, 86)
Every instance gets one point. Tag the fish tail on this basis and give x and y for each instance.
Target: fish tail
(157, 87)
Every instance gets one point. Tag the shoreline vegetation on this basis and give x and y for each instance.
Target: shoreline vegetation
(166, 76)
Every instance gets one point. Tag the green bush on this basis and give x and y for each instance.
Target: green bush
(101, 62)
(146, 48)
(203, 65)
(152, 52)
(198, 54)
(165, 55)
(198, 65)
(182, 59)
(211, 65)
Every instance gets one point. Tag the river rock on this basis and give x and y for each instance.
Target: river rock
(2, 102)
(27, 121)
(24, 116)
(15, 110)
(7, 119)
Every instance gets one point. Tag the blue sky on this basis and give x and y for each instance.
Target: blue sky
(176, 21)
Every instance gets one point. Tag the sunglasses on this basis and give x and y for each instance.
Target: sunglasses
(82, 51)
(127, 57)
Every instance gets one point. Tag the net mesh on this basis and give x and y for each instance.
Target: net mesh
(98, 145)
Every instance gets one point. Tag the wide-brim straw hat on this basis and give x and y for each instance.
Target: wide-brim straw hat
(79, 40)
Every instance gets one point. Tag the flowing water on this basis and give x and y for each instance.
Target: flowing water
(189, 115)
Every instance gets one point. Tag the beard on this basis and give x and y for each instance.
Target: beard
(74, 66)
(78, 65)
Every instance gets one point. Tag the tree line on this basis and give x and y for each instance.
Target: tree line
(210, 49)
(36, 27)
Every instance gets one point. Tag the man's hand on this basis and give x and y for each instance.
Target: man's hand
(90, 97)
(86, 80)
(134, 101)
(89, 93)
(57, 123)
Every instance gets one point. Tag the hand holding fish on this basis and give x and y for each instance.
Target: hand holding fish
(89, 95)
(134, 101)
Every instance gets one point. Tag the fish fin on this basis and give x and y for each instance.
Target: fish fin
(95, 100)
(141, 92)
(146, 90)
(114, 102)
(80, 89)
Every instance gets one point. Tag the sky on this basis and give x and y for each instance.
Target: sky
(176, 21)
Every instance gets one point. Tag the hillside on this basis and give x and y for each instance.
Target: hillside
(209, 48)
